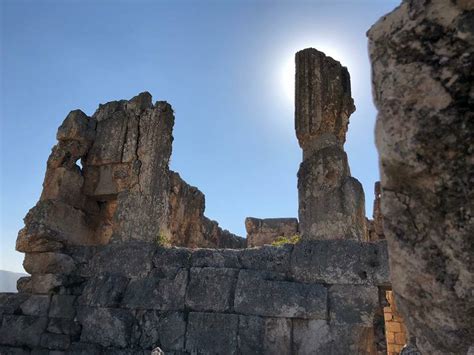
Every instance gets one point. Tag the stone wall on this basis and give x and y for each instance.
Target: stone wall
(422, 58)
(265, 231)
(395, 331)
(128, 298)
(124, 191)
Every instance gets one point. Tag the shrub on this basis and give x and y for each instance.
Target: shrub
(163, 241)
(282, 240)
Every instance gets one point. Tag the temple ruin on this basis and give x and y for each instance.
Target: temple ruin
(124, 261)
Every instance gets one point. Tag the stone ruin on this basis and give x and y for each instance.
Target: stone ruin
(104, 280)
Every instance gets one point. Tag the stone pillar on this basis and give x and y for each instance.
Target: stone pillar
(422, 57)
(331, 202)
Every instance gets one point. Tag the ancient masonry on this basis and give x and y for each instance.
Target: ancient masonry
(103, 282)
(422, 57)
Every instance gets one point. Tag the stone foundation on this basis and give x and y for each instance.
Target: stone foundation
(131, 297)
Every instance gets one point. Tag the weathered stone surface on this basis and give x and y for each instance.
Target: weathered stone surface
(265, 231)
(48, 263)
(77, 126)
(309, 336)
(8, 350)
(323, 97)
(228, 258)
(38, 238)
(340, 262)
(64, 184)
(156, 292)
(64, 326)
(55, 341)
(105, 326)
(259, 335)
(36, 305)
(211, 289)
(41, 283)
(166, 330)
(353, 304)
(212, 333)
(10, 303)
(169, 260)
(267, 258)
(256, 295)
(62, 306)
(422, 55)
(18, 330)
(104, 290)
(130, 259)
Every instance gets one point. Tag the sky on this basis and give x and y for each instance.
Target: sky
(226, 67)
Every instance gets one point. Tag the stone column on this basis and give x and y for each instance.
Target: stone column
(331, 202)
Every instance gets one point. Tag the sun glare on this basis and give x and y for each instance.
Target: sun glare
(287, 68)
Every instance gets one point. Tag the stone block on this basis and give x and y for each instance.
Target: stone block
(211, 289)
(62, 306)
(132, 259)
(259, 335)
(267, 258)
(78, 348)
(156, 292)
(104, 290)
(353, 304)
(64, 326)
(257, 294)
(105, 326)
(309, 336)
(166, 329)
(41, 283)
(48, 263)
(265, 231)
(212, 333)
(76, 126)
(10, 303)
(169, 260)
(340, 262)
(9, 350)
(55, 341)
(18, 330)
(223, 258)
(38, 237)
(64, 184)
(36, 305)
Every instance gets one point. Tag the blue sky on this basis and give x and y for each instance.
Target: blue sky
(225, 66)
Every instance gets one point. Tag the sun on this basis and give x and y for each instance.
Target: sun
(286, 68)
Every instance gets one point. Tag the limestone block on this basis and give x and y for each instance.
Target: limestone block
(66, 154)
(62, 306)
(211, 289)
(17, 330)
(10, 303)
(41, 283)
(64, 326)
(48, 263)
(69, 225)
(422, 55)
(310, 335)
(353, 304)
(55, 341)
(169, 260)
(37, 237)
(212, 333)
(104, 290)
(134, 259)
(77, 126)
(257, 294)
(36, 305)
(323, 97)
(224, 258)
(64, 184)
(105, 326)
(265, 231)
(267, 258)
(341, 262)
(104, 182)
(9, 350)
(259, 335)
(155, 292)
(165, 328)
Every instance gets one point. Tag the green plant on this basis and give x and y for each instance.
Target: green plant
(163, 240)
(282, 240)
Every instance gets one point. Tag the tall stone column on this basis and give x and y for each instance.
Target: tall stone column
(331, 202)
